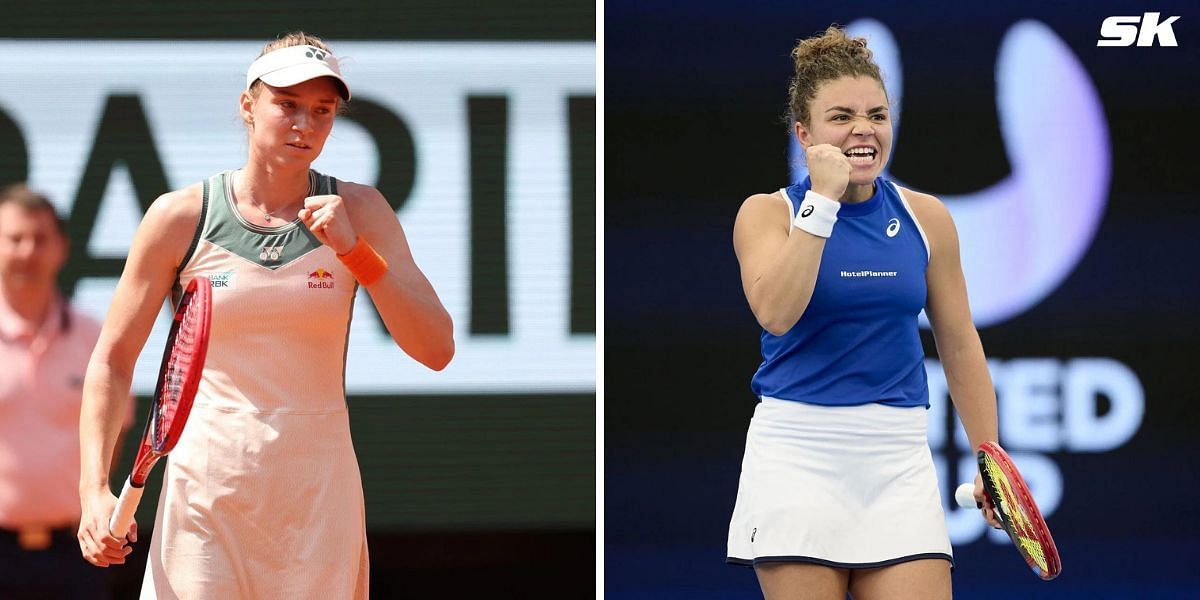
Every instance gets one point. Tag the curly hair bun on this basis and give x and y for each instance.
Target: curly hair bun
(823, 58)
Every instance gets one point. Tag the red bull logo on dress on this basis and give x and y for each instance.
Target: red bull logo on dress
(320, 279)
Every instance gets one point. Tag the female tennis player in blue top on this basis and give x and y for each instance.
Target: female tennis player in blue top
(838, 491)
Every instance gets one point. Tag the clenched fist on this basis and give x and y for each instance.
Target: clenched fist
(325, 216)
(829, 170)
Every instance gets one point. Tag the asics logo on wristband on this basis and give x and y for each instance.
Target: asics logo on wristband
(893, 227)
(817, 214)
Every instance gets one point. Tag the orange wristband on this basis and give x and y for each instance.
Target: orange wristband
(365, 264)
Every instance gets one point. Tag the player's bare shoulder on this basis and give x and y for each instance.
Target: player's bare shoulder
(167, 230)
(933, 216)
(763, 221)
(175, 214)
(765, 210)
(358, 193)
(365, 204)
(921, 202)
(361, 198)
(179, 206)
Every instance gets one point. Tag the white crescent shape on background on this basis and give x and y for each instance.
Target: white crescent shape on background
(1022, 236)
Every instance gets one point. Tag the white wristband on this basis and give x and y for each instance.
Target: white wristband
(817, 214)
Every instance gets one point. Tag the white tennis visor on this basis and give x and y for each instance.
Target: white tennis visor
(296, 64)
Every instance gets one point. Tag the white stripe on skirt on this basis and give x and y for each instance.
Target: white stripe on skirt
(845, 486)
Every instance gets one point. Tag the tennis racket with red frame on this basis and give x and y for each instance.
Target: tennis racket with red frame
(178, 379)
(1015, 508)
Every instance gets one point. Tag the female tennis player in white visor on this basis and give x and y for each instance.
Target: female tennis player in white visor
(262, 497)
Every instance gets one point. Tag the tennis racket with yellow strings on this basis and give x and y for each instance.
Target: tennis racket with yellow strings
(1018, 513)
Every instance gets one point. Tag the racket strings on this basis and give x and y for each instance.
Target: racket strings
(1014, 514)
(182, 353)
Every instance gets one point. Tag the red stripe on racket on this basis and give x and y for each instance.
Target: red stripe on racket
(178, 380)
(1018, 513)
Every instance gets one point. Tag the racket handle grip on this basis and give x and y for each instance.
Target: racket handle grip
(127, 504)
(965, 496)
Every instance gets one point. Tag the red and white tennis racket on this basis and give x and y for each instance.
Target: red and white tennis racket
(178, 379)
(1017, 511)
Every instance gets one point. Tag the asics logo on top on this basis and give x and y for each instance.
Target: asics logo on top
(807, 211)
(893, 227)
(1039, 79)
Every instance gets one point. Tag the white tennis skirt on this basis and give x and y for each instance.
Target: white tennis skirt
(841, 486)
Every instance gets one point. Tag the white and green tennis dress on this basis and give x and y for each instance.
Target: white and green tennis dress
(262, 497)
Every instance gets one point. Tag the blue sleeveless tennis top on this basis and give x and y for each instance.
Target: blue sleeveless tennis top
(858, 340)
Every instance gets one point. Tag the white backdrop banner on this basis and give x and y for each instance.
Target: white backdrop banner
(56, 93)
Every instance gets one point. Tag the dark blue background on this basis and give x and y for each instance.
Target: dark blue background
(694, 98)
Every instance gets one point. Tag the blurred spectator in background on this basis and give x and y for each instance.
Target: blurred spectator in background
(44, 349)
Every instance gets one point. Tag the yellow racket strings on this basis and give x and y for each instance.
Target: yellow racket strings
(1007, 503)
